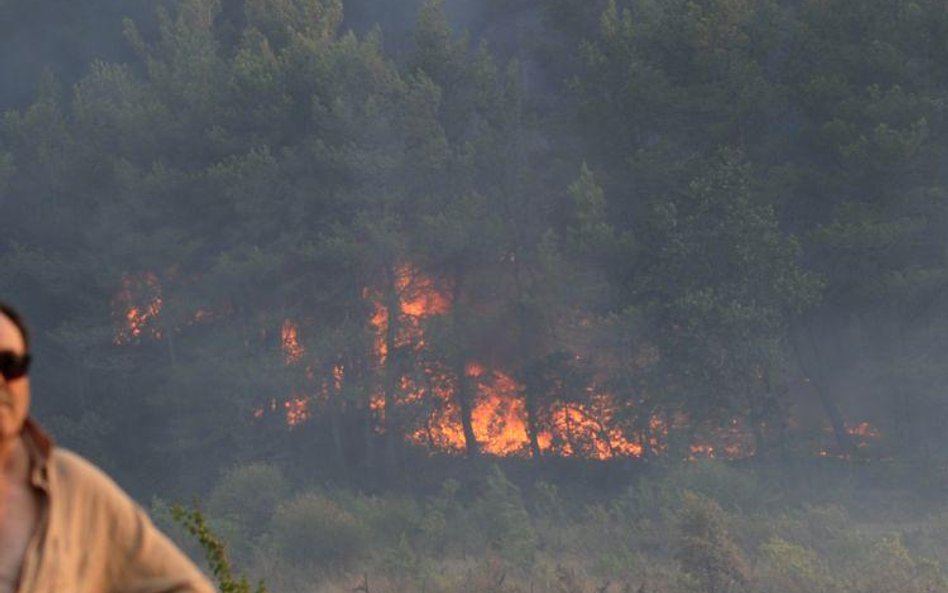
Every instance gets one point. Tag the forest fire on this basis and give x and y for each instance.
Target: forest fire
(733, 441)
(418, 297)
(863, 430)
(589, 431)
(428, 391)
(290, 342)
(138, 305)
(498, 417)
(297, 410)
(863, 434)
(863, 437)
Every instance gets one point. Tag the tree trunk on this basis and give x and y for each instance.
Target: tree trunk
(368, 433)
(465, 392)
(390, 372)
(533, 430)
(465, 395)
(530, 397)
(335, 431)
(817, 379)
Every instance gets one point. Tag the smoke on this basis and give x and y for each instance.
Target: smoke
(61, 37)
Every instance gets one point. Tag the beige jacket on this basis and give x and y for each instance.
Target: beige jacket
(92, 538)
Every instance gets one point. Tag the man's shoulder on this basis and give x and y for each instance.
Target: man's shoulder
(70, 465)
(103, 526)
(74, 474)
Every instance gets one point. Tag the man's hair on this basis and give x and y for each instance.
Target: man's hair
(17, 320)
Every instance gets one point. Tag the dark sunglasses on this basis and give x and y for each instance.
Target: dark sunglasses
(13, 366)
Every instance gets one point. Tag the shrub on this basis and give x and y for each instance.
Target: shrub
(890, 566)
(215, 551)
(401, 560)
(505, 521)
(446, 525)
(313, 531)
(605, 534)
(390, 520)
(717, 480)
(489, 576)
(826, 529)
(705, 550)
(247, 495)
(786, 567)
(548, 503)
(552, 523)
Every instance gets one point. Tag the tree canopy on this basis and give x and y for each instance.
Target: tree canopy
(615, 229)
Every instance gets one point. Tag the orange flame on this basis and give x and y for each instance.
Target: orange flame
(140, 300)
(380, 322)
(498, 417)
(864, 433)
(297, 410)
(864, 430)
(733, 441)
(419, 297)
(591, 429)
(290, 342)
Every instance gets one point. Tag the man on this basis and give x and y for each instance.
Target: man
(65, 527)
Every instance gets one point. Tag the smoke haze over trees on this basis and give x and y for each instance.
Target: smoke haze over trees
(348, 236)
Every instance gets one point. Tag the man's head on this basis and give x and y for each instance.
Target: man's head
(14, 383)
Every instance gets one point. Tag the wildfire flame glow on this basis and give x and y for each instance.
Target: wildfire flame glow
(290, 342)
(419, 297)
(596, 426)
(498, 416)
(864, 430)
(139, 302)
(589, 431)
(297, 410)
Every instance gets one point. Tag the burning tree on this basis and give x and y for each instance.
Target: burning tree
(283, 225)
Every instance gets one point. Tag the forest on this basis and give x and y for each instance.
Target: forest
(459, 295)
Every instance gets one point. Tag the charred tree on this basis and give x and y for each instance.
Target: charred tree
(533, 428)
(390, 373)
(465, 395)
(466, 391)
(335, 432)
(801, 339)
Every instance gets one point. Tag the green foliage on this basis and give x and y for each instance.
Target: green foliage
(504, 519)
(687, 542)
(592, 236)
(393, 521)
(723, 281)
(790, 568)
(215, 549)
(247, 496)
(730, 487)
(401, 559)
(281, 20)
(311, 530)
(705, 549)
(748, 171)
(444, 520)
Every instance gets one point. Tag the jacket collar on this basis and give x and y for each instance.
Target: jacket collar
(40, 446)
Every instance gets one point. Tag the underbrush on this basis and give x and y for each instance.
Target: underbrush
(705, 527)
